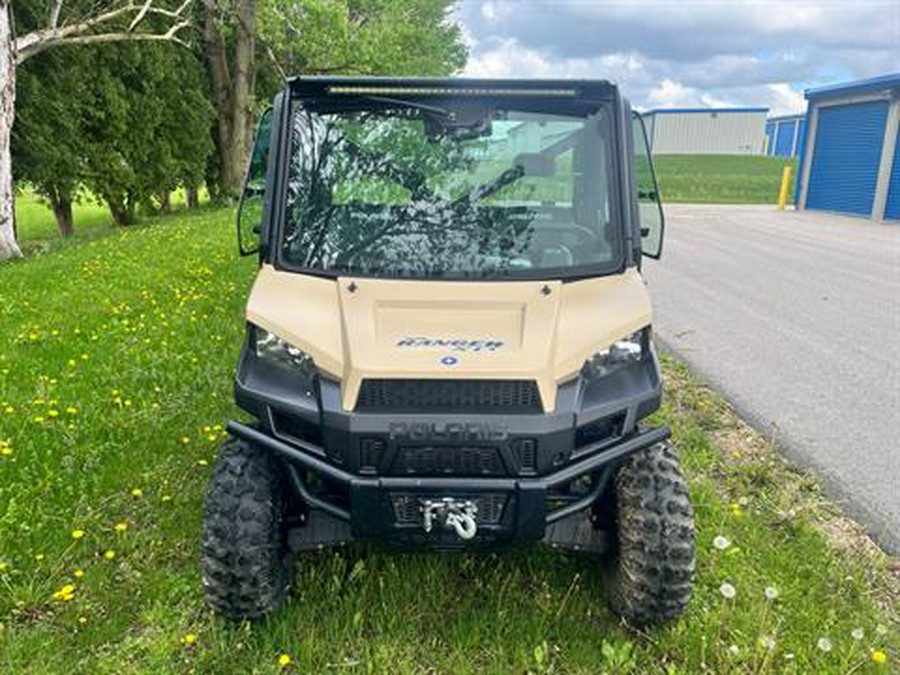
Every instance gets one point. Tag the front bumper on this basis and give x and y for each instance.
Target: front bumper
(380, 467)
(375, 502)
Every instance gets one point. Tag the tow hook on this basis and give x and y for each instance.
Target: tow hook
(454, 514)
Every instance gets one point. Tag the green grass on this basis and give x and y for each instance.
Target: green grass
(723, 179)
(116, 366)
(36, 223)
(38, 231)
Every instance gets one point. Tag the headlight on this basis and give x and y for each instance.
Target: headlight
(272, 349)
(618, 355)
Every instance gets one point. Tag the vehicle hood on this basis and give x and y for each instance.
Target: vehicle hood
(361, 328)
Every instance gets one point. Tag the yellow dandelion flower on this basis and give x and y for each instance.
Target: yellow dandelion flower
(78, 574)
(879, 656)
(66, 593)
(6, 450)
(109, 554)
(127, 402)
(202, 462)
(9, 410)
(82, 619)
(284, 660)
(72, 411)
(167, 498)
(136, 492)
(3, 566)
(38, 419)
(71, 363)
(53, 413)
(190, 639)
(212, 437)
(121, 527)
(185, 440)
(77, 534)
(39, 557)
(115, 392)
(85, 357)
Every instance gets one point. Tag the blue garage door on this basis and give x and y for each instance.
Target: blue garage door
(846, 155)
(892, 208)
(785, 142)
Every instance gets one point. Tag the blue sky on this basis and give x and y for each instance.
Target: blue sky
(687, 52)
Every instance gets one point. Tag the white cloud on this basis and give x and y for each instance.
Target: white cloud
(509, 59)
(671, 94)
(663, 53)
(785, 99)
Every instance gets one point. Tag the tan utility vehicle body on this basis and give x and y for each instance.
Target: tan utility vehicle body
(449, 337)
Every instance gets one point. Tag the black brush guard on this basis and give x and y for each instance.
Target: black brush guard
(371, 514)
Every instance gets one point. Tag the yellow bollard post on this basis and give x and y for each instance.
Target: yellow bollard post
(785, 181)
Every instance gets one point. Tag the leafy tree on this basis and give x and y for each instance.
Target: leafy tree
(48, 138)
(260, 42)
(65, 22)
(146, 123)
(128, 123)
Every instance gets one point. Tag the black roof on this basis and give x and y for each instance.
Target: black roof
(315, 86)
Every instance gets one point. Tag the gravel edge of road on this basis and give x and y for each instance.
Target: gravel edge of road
(877, 527)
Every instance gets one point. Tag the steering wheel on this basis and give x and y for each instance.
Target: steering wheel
(586, 238)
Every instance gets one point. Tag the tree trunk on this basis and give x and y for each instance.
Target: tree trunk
(62, 209)
(232, 92)
(165, 202)
(191, 197)
(121, 210)
(9, 247)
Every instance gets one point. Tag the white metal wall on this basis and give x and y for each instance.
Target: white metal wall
(708, 133)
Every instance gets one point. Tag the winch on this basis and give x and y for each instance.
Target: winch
(453, 514)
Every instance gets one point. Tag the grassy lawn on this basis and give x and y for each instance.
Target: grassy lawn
(38, 231)
(116, 366)
(723, 179)
(36, 223)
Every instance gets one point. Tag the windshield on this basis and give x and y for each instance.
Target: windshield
(406, 189)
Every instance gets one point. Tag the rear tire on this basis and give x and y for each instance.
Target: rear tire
(648, 578)
(244, 563)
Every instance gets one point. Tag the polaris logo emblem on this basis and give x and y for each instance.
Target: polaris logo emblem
(448, 431)
(454, 344)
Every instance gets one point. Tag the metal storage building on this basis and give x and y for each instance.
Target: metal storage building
(851, 162)
(784, 135)
(706, 131)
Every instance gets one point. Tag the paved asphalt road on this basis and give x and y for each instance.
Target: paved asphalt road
(795, 318)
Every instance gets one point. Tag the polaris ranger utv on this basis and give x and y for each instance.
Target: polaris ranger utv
(448, 339)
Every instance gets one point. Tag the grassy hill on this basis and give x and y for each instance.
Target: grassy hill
(722, 179)
(116, 366)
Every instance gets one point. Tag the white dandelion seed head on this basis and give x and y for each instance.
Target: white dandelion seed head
(881, 629)
(721, 543)
(824, 644)
(789, 657)
(771, 592)
(767, 642)
(857, 633)
(734, 650)
(728, 591)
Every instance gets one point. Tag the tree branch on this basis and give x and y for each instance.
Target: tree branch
(54, 13)
(81, 32)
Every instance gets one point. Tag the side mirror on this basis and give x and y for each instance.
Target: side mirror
(251, 211)
(650, 212)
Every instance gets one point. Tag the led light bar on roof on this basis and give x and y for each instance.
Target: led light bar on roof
(445, 91)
